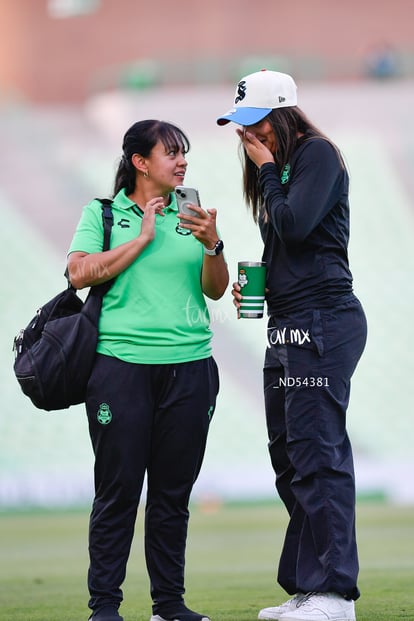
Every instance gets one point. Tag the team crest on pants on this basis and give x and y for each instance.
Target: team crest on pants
(104, 415)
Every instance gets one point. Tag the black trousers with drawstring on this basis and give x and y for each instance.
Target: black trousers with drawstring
(309, 362)
(153, 420)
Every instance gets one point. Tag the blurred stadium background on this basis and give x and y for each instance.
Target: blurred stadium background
(75, 74)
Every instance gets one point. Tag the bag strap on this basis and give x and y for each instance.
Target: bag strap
(107, 219)
(108, 222)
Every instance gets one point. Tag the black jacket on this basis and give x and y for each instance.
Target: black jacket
(307, 230)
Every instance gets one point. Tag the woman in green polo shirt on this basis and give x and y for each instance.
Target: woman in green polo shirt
(153, 388)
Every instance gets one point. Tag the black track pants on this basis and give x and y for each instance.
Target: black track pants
(151, 419)
(308, 366)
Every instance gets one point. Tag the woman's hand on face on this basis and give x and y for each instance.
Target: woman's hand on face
(256, 150)
(152, 208)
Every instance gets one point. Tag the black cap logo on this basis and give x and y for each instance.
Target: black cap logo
(241, 91)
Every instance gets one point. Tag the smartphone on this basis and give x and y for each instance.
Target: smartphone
(186, 197)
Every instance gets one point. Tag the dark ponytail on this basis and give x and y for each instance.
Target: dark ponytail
(125, 176)
(141, 138)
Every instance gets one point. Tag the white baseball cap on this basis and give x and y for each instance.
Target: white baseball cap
(259, 93)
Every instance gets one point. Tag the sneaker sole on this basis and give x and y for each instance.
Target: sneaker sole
(158, 618)
(287, 618)
(118, 618)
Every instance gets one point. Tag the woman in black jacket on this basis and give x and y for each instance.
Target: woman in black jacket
(296, 184)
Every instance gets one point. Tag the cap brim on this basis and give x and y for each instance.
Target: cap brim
(244, 116)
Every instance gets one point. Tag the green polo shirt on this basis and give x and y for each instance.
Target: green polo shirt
(155, 312)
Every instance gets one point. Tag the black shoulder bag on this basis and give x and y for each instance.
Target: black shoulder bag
(55, 353)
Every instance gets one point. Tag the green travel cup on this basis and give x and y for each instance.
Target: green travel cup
(252, 280)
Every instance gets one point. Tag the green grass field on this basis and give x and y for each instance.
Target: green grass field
(231, 563)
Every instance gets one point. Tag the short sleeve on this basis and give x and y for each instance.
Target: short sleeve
(88, 236)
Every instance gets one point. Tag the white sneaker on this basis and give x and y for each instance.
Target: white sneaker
(275, 612)
(321, 607)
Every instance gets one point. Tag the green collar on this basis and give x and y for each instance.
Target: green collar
(123, 202)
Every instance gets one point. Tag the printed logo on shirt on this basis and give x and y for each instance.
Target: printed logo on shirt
(181, 231)
(104, 414)
(124, 223)
(284, 177)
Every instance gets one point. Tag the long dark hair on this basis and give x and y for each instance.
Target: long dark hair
(286, 123)
(141, 138)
